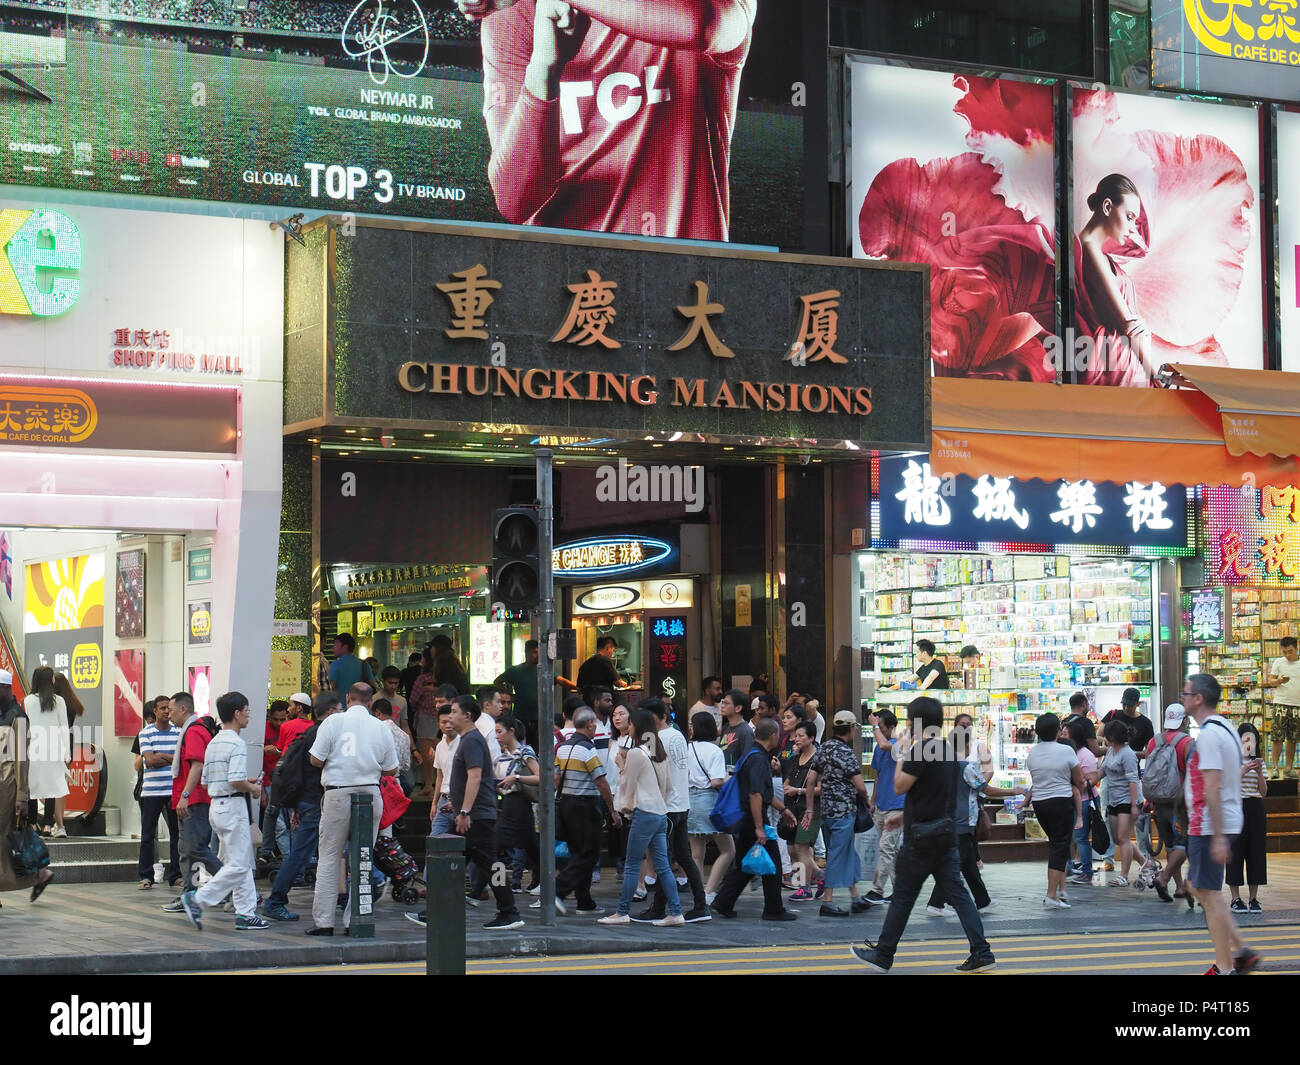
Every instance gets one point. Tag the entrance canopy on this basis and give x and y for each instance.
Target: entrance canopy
(1032, 430)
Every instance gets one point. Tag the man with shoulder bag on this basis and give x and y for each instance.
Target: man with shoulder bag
(927, 777)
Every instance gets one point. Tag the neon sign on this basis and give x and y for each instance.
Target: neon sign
(39, 249)
(609, 556)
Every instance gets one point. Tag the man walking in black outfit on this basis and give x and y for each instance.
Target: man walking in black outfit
(755, 775)
(927, 776)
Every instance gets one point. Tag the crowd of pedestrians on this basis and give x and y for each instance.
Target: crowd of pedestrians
(631, 778)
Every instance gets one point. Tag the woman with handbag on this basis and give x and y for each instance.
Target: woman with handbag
(24, 861)
(706, 772)
(643, 794)
(836, 771)
(517, 782)
(1055, 787)
(797, 796)
(1076, 734)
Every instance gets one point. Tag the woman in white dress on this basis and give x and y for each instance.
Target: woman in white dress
(48, 749)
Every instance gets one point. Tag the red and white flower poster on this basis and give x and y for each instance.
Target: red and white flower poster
(1165, 234)
(959, 172)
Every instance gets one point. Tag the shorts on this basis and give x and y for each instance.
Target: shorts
(1286, 724)
(1123, 808)
(426, 728)
(1171, 825)
(1203, 872)
(697, 821)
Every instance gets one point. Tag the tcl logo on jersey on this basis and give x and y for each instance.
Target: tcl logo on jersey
(630, 99)
(38, 249)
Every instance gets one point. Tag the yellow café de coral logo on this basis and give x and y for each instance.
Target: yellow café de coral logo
(87, 666)
(38, 415)
(1267, 33)
(200, 624)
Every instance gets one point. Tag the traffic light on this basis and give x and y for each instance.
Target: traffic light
(516, 580)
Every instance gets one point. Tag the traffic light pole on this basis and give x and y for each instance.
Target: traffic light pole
(546, 683)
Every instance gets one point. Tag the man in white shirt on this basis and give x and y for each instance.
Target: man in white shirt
(711, 693)
(353, 750)
(1214, 817)
(489, 701)
(443, 816)
(1283, 676)
(678, 801)
(231, 788)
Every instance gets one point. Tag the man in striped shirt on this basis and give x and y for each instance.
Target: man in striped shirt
(581, 788)
(157, 749)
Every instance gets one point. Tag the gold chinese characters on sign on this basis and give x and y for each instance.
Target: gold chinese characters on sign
(592, 312)
(39, 415)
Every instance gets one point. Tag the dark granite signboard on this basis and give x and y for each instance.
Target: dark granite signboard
(488, 331)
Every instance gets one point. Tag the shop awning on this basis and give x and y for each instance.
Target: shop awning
(1048, 431)
(1260, 408)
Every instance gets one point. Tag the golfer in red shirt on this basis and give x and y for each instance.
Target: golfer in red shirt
(613, 115)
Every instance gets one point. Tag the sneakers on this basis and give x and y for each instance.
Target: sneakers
(1246, 962)
(58, 832)
(1080, 878)
(1255, 907)
(821, 888)
(536, 889)
(1118, 881)
(250, 922)
(615, 918)
(941, 911)
(709, 896)
(640, 895)
(275, 912)
(505, 922)
(591, 911)
(866, 953)
(559, 906)
(671, 921)
(175, 906)
(420, 918)
(1237, 906)
(697, 914)
(977, 964)
(1055, 904)
(802, 895)
(992, 905)
(648, 917)
(191, 909)
(874, 897)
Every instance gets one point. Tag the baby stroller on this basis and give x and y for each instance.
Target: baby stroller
(392, 860)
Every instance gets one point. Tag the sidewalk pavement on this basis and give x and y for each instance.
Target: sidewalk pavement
(116, 928)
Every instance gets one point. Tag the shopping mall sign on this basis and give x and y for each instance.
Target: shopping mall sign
(916, 506)
(481, 330)
(1252, 535)
(40, 253)
(1240, 47)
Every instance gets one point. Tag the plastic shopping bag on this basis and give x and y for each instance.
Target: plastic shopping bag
(758, 862)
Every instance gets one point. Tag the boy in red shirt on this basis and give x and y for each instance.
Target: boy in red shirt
(189, 798)
(613, 115)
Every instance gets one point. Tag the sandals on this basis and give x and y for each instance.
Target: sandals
(39, 887)
(144, 885)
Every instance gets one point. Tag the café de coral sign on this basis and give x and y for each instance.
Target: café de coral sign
(1266, 32)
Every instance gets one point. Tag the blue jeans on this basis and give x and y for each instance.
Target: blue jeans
(301, 849)
(648, 832)
(842, 870)
(1081, 840)
(444, 824)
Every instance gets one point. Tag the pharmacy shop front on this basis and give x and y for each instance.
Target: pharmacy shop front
(1058, 587)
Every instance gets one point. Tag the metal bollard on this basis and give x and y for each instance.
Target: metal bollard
(360, 832)
(444, 873)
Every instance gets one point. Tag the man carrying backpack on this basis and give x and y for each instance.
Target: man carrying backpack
(298, 784)
(1162, 790)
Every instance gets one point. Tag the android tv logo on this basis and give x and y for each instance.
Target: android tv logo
(40, 252)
